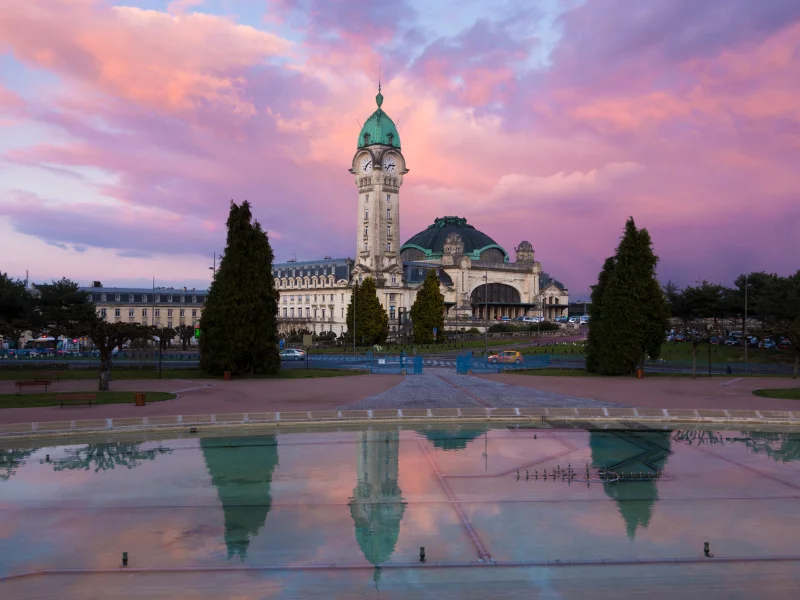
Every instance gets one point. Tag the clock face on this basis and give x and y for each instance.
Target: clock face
(366, 165)
(389, 165)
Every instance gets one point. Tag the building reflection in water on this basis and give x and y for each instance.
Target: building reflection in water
(104, 457)
(377, 506)
(241, 472)
(631, 452)
(10, 460)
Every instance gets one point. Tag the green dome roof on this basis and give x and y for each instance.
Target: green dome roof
(379, 128)
(431, 240)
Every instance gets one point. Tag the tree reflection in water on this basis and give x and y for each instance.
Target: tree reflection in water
(451, 439)
(631, 452)
(102, 457)
(10, 460)
(241, 471)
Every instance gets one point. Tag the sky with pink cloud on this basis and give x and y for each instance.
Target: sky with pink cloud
(126, 129)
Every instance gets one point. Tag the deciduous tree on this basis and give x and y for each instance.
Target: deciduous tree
(16, 309)
(108, 336)
(64, 310)
(185, 333)
(239, 322)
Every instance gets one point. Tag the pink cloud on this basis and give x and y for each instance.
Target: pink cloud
(668, 113)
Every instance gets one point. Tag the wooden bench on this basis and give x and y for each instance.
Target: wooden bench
(75, 399)
(32, 383)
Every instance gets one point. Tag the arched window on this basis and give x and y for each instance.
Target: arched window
(495, 293)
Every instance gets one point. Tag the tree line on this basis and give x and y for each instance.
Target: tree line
(631, 313)
(60, 309)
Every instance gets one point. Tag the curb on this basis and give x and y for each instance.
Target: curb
(542, 417)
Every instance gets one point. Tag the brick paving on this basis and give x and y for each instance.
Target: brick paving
(442, 388)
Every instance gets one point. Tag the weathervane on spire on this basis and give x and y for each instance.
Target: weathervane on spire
(379, 97)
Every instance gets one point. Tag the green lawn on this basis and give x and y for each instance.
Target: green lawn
(782, 393)
(25, 400)
(119, 374)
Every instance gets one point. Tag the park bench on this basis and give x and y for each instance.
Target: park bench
(75, 399)
(32, 383)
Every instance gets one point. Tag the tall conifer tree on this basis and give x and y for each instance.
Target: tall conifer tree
(239, 330)
(634, 313)
(371, 321)
(428, 310)
(596, 331)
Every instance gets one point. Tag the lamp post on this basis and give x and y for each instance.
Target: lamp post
(744, 328)
(355, 283)
(158, 341)
(486, 316)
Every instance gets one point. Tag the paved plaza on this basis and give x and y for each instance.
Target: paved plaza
(436, 388)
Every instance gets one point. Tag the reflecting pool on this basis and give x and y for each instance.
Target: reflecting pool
(562, 513)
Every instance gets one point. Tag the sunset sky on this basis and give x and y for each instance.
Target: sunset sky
(127, 128)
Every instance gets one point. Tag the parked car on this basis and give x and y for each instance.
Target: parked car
(679, 338)
(292, 354)
(732, 341)
(561, 319)
(504, 318)
(713, 340)
(506, 356)
(784, 343)
(768, 344)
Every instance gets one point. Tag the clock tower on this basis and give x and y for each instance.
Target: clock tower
(378, 167)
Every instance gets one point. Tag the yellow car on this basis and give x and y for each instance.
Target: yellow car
(506, 356)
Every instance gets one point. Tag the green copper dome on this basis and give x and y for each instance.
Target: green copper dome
(379, 128)
(429, 243)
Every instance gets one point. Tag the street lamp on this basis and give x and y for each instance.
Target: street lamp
(744, 332)
(158, 341)
(486, 316)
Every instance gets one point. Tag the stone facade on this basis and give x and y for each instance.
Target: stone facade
(477, 278)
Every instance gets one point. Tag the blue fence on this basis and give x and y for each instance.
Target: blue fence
(394, 364)
(467, 363)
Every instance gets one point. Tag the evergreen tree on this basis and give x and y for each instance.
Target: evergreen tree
(428, 310)
(371, 323)
(239, 323)
(634, 312)
(596, 326)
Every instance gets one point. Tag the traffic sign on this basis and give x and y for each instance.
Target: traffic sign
(435, 331)
(280, 344)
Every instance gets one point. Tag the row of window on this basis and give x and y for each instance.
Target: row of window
(308, 298)
(305, 282)
(303, 272)
(156, 312)
(146, 298)
(317, 312)
(366, 245)
(388, 216)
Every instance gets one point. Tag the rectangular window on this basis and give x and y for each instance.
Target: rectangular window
(157, 312)
(194, 313)
(315, 297)
(308, 297)
(194, 299)
(388, 198)
(323, 313)
(130, 297)
(158, 298)
(388, 213)
(103, 312)
(182, 312)
(169, 324)
(392, 297)
(130, 313)
(116, 312)
(394, 280)
(284, 311)
(389, 230)
(388, 246)
(291, 312)
(366, 198)
(144, 297)
(169, 312)
(366, 231)
(308, 313)
(144, 312)
(183, 298)
(342, 312)
(365, 246)
(169, 298)
(391, 313)
(102, 297)
(315, 313)
(116, 297)
(366, 213)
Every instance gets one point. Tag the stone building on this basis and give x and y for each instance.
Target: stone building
(479, 280)
(160, 307)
